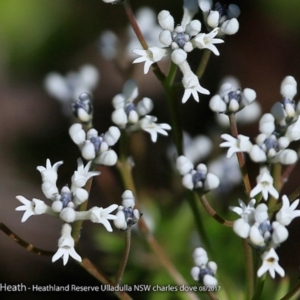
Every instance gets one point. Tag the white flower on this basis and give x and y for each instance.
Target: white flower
(82, 175)
(50, 172)
(150, 56)
(270, 264)
(240, 144)
(68, 88)
(287, 212)
(148, 124)
(242, 225)
(192, 86)
(31, 208)
(196, 179)
(207, 41)
(264, 185)
(66, 246)
(102, 215)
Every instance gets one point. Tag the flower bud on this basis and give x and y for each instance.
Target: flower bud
(107, 158)
(230, 26)
(112, 135)
(184, 165)
(128, 199)
(77, 134)
(178, 56)
(68, 215)
(213, 18)
(165, 20)
(88, 150)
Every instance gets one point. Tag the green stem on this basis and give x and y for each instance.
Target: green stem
(203, 64)
(193, 201)
(173, 108)
(240, 156)
(276, 174)
(295, 289)
(78, 224)
(125, 256)
(249, 268)
(259, 287)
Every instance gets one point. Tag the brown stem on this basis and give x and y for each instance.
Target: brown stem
(213, 213)
(88, 265)
(23, 243)
(240, 155)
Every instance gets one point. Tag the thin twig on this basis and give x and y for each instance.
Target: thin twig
(125, 256)
(23, 243)
(213, 213)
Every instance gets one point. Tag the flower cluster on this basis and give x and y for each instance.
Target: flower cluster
(204, 272)
(66, 89)
(126, 215)
(198, 179)
(221, 16)
(64, 204)
(179, 40)
(96, 147)
(278, 129)
(263, 235)
(133, 117)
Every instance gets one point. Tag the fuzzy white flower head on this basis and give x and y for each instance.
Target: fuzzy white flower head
(270, 264)
(240, 144)
(287, 212)
(31, 208)
(66, 246)
(264, 185)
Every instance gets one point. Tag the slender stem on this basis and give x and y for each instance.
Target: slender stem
(193, 201)
(130, 15)
(240, 156)
(78, 224)
(125, 171)
(212, 296)
(23, 243)
(249, 268)
(88, 265)
(203, 63)
(276, 174)
(173, 108)
(125, 256)
(286, 174)
(163, 258)
(295, 289)
(213, 213)
(259, 287)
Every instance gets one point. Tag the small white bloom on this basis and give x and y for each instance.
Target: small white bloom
(102, 215)
(240, 144)
(200, 256)
(150, 56)
(31, 208)
(207, 41)
(50, 172)
(270, 264)
(66, 246)
(148, 124)
(192, 86)
(287, 212)
(264, 185)
(82, 175)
